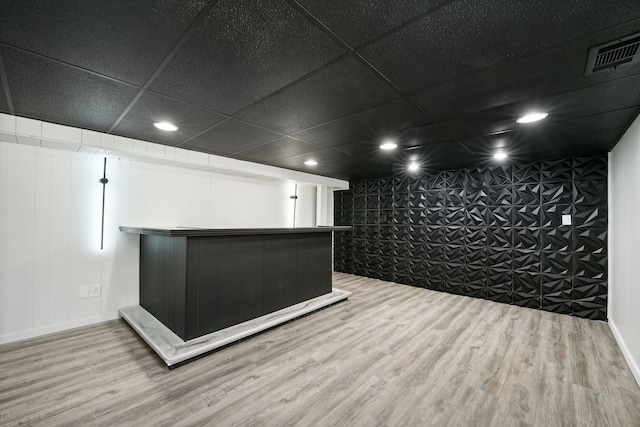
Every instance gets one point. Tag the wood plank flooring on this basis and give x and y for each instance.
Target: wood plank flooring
(392, 355)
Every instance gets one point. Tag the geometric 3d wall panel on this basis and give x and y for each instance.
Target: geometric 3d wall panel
(493, 233)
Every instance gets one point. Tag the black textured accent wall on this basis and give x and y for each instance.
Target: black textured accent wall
(493, 233)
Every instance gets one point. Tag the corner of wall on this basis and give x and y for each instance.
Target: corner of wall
(633, 364)
(624, 232)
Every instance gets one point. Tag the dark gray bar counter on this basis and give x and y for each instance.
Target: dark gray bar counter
(198, 281)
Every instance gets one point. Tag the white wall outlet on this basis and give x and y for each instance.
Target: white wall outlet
(566, 219)
(83, 292)
(94, 290)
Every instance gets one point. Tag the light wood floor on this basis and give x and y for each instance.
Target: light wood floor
(391, 355)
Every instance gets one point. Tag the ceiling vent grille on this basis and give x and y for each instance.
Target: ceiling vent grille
(614, 54)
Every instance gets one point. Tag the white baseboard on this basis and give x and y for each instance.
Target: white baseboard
(58, 327)
(633, 365)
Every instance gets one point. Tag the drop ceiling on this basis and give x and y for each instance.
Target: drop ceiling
(281, 82)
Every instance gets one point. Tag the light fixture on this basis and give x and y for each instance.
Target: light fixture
(500, 155)
(532, 117)
(169, 127)
(413, 167)
(310, 163)
(388, 145)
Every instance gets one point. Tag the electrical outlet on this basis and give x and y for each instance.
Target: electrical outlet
(94, 291)
(83, 292)
(566, 219)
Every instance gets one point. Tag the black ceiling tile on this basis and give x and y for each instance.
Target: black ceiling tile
(368, 149)
(526, 147)
(330, 163)
(484, 147)
(585, 125)
(581, 146)
(276, 150)
(50, 91)
(586, 145)
(541, 74)
(424, 135)
(493, 121)
(340, 89)
(230, 136)
(448, 155)
(152, 108)
(605, 97)
(434, 156)
(124, 40)
(374, 162)
(466, 36)
(610, 96)
(389, 120)
(359, 21)
(411, 138)
(244, 51)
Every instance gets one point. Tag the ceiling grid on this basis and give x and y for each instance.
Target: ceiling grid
(279, 82)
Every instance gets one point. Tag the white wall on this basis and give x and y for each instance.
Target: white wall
(324, 205)
(50, 208)
(624, 238)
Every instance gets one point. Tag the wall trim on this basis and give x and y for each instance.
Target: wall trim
(633, 365)
(58, 327)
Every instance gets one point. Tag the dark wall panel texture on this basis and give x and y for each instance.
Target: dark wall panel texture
(493, 233)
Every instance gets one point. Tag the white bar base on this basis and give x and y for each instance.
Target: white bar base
(172, 349)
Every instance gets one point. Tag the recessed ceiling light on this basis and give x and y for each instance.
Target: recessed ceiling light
(532, 117)
(310, 163)
(500, 155)
(413, 167)
(388, 145)
(170, 127)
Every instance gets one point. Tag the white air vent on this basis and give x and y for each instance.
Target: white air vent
(614, 54)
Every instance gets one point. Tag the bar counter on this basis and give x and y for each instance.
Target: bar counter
(197, 281)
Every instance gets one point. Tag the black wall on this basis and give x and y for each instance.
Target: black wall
(491, 233)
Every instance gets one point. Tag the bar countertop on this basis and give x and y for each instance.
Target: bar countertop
(193, 232)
